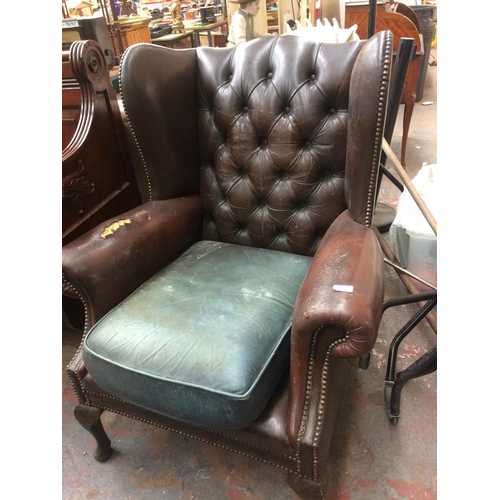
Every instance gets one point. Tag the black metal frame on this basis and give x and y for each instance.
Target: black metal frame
(427, 363)
(404, 56)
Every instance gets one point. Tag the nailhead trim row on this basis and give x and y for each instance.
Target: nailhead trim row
(135, 137)
(232, 438)
(305, 411)
(319, 422)
(182, 433)
(378, 135)
(85, 328)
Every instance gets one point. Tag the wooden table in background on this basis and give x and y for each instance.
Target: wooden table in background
(186, 40)
(208, 28)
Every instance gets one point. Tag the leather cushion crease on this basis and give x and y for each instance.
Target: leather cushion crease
(205, 340)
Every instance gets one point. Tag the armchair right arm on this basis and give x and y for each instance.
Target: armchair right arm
(329, 324)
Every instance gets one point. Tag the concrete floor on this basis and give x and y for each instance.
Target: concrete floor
(373, 459)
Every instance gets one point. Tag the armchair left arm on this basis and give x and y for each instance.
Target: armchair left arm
(109, 262)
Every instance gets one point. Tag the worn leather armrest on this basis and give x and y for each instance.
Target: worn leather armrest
(329, 323)
(349, 255)
(110, 261)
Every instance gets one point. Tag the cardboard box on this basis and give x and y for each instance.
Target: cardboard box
(218, 39)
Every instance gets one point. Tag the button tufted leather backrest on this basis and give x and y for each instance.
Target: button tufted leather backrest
(278, 135)
(273, 125)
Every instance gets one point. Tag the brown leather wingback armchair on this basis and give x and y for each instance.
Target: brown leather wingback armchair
(225, 308)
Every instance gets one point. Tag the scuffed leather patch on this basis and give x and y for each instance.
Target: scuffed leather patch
(114, 226)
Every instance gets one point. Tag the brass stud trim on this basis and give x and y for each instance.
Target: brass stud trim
(305, 410)
(139, 149)
(186, 434)
(85, 328)
(384, 84)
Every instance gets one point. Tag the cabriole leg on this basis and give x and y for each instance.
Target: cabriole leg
(89, 418)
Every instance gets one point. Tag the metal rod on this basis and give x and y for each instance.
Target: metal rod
(114, 26)
(405, 271)
(391, 177)
(400, 336)
(409, 185)
(407, 281)
(408, 299)
(372, 18)
(404, 55)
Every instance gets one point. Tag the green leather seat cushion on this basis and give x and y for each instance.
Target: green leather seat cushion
(206, 339)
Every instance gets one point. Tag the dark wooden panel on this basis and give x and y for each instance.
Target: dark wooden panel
(97, 176)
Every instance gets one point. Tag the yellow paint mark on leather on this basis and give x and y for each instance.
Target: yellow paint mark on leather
(114, 226)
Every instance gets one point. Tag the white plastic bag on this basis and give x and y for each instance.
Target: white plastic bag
(410, 232)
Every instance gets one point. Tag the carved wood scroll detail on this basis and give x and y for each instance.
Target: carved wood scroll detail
(75, 188)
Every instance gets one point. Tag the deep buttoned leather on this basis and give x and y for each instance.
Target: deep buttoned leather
(278, 151)
(273, 141)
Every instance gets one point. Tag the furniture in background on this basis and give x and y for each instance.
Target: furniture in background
(226, 306)
(425, 300)
(129, 36)
(425, 15)
(396, 380)
(98, 179)
(175, 40)
(124, 31)
(401, 27)
(196, 36)
(88, 28)
(209, 30)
